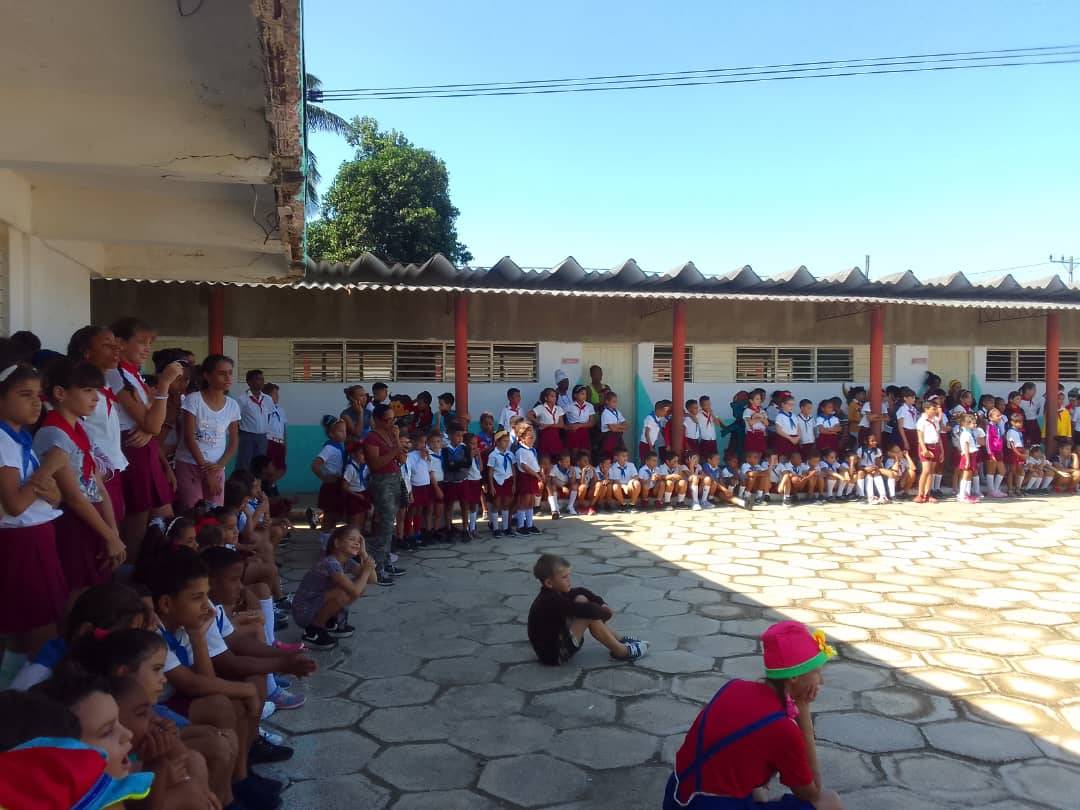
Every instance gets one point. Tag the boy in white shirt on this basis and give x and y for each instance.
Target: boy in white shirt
(806, 422)
(513, 408)
(652, 429)
(626, 488)
(652, 483)
(423, 486)
(500, 476)
(582, 479)
(674, 481)
(255, 407)
(756, 476)
(691, 429)
(558, 485)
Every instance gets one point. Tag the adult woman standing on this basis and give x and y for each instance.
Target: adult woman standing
(384, 455)
(358, 415)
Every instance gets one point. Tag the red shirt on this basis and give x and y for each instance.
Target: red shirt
(750, 761)
(373, 439)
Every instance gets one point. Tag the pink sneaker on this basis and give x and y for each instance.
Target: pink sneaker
(971, 499)
(286, 647)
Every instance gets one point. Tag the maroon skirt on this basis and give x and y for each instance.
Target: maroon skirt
(1032, 434)
(708, 448)
(578, 439)
(357, 503)
(529, 485)
(505, 489)
(829, 441)
(611, 443)
(451, 491)
(81, 550)
(642, 451)
(114, 485)
(33, 590)
(470, 492)
(275, 451)
(422, 496)
(145, 484)
(755, 441)
(331, 498)
(551, 443)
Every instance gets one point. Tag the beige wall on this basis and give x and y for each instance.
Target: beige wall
(181, 310)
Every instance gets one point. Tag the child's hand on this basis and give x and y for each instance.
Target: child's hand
(300, 665)
(115, 553)
(45, 488)
(170, 476)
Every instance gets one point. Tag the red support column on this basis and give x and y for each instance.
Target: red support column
(1053, 348)
(216, 315)
(461, 355)
(877, 362)
(678, 373)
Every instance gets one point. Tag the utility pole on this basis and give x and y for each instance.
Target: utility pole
(1067, 263)
(866, 269)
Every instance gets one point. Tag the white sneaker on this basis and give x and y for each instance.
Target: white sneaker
(707, 505)
(571, 511)
(271, 737)
(393, 557)
(696, 507)
(268, 709)
(636, 648)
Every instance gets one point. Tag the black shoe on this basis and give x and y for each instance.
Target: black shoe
(393, 570)
(340, 630)
(384, 579)
(251, 793)
(271, 785)
(284, 603)
(309, 513)
(280, 623)
(318, 638)
(533, 530)
(521, 532)
(262, 752)
(555, 515)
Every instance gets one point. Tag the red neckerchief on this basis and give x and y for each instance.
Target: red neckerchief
(77, 434)
(256, 401)
(110, 399)
(133, 372)
(552, 412)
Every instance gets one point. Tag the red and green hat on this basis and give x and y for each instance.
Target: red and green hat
(790, 650)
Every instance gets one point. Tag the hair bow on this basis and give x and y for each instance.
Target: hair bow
(99, 634)
(206, 521)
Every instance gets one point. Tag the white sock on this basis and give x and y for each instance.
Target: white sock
(472, 520)
(703, 496)
(267, 608)
(505, 519)
(890, 484)
(1031, 484)
(937, 482)
(963, 488)
(529, 518)
(861, 484)
(830, 485)
(667, 496)
(996, 485)
(976, 487)
(553, 502)
(694, 493)
(879, 485)
(681, 497)
(573, 500)
(519, 518)
(271, 685)
(1046, 482)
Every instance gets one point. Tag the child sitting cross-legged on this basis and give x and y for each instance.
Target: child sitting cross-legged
(321, 603)
(561, 614)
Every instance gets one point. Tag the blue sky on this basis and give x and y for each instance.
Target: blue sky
(969, 170)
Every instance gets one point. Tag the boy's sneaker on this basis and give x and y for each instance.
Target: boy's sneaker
(263, 751)
(767, 497)
(521, 531)
(309, 513)
(787, 501)
(340, 630)
(284, 699)
(708, 505)
(268, 710)
(696, 507)
(533, 530)
(636, 650)
(382, 578)
(271, 737)
(633, 510)
(317, 638)
(284, 603)
(556, 515)
(394, 571)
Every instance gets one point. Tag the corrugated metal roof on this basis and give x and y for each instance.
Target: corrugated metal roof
(628, 280)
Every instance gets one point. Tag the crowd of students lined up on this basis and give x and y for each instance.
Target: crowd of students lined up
(140, 595)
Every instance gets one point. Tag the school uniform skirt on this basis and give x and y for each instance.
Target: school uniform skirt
(935, 452)
(912, 437)
(451, 491)
(357, 503)
(755, 441)
(275, 451)
(82, 551)
(331, 498)
(708, 447)
(528, 484)
(145, 484)
(33, 590)
(551, 443)
(470, 492)
(578, 440)
(782, 446)
(831, 441)
(422, 496)
(611, 443)
(506, 488)
(114, 485)
(1032, 434)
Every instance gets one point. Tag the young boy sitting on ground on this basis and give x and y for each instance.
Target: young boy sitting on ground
(560, 615)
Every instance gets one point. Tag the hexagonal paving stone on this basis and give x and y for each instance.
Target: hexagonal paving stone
(844, 770)
(623, 681)
(687, 626)
(1012, 711)
(460, 671)
(604, 747)
(402, 691)
(1033, 616)
(442, 647)
(410, 723)
(533, 779)
(909, 704)
(660, 715)
(492, 737)
(328, 683)
(1053, 668)
(338, 791)
(856, 677)
(674, 662)
(943, 778)
(722, 645)
(942, 680)
(971, 663)
(432, 766)
(868, 732)
(332, 753)
(535, 677)
(1055, 784)
(889, 798)
(441, 800)
(572, 708)
(379, 661)
(699, 688)
(749, 667)
(319, 714)
(481, 700)
(980, 741)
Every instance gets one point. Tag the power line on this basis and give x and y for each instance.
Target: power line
(1006, 269)
(913, 63)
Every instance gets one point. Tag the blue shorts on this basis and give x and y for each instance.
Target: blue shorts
(163, 711)
(786, 802)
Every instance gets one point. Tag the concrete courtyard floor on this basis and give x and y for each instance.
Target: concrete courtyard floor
(957, 683)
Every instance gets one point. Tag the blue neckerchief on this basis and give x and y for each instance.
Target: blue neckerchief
(506, 460)
(565, 472)
(219, 618)
(340, 447)
(613, 411)
(51, 653)
(622, 470)
(26, 442)
(361, 471)
(177, 649)
(515, 446)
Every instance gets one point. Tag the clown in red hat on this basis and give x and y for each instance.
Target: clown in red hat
(752, 730)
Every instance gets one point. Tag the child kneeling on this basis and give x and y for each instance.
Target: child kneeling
(320, 604)
(561, 614)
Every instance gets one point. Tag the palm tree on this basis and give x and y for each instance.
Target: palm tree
(318, 119)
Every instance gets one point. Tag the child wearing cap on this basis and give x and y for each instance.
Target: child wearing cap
(752, 730)
(560, 615)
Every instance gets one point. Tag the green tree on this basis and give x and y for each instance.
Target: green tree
(318, 119)
(392, 199)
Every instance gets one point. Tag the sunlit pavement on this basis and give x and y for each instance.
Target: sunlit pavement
(958, 628)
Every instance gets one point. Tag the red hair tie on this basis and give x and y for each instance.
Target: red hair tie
(206, 521)
(99, 634)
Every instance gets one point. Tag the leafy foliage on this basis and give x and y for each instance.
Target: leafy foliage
(392, 199)
(319, 119)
